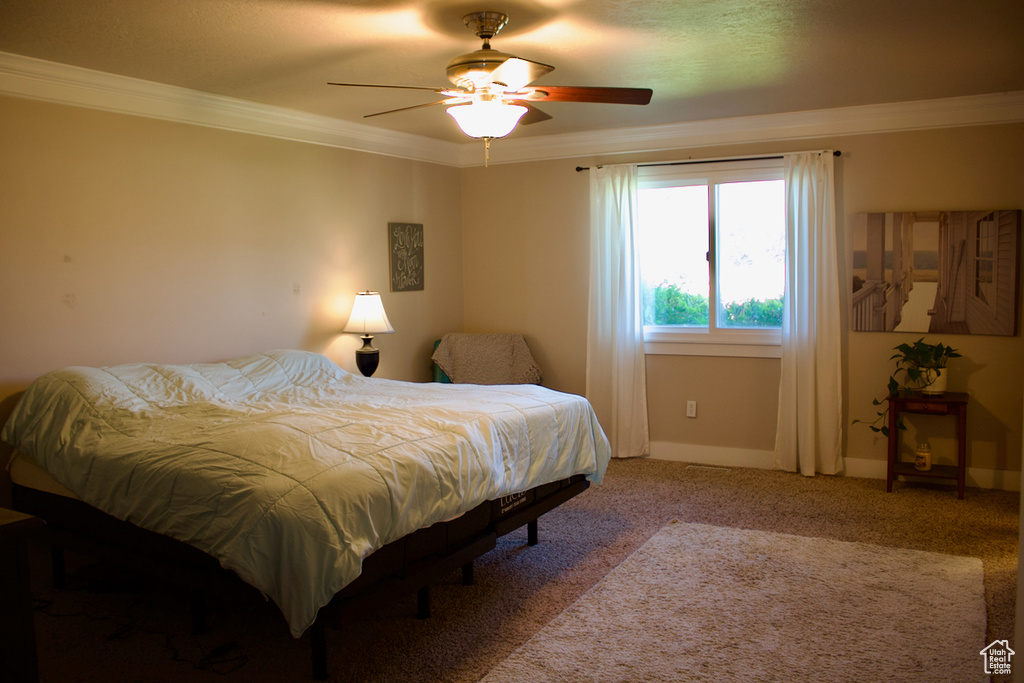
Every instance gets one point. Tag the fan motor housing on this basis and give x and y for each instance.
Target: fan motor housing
(468, 70)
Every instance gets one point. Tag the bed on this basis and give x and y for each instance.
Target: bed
(297, 476)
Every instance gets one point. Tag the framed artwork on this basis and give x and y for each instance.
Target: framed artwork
(939, 272)
(405, 244)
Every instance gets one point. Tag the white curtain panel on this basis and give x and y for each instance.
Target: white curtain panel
(809, 437)
(616, 380)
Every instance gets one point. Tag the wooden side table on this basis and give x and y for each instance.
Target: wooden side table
(17, 631)
(950, 403)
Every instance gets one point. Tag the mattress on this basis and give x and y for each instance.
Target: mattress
(289, 470)
(26, 472)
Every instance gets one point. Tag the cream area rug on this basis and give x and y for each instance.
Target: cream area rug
(708, 603)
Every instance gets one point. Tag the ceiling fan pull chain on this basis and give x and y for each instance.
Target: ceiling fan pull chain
(487, 151)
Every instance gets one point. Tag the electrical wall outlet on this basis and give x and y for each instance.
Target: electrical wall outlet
(691, 409)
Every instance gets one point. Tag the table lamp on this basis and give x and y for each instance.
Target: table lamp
(367, 319)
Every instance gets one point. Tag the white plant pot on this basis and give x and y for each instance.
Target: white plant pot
(933, 381)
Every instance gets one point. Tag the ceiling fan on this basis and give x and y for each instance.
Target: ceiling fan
(492, 91)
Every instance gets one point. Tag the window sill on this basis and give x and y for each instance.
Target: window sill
(745, 344)
(692, 349)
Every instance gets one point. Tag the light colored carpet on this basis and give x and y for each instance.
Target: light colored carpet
(707, 603)
(101, 630)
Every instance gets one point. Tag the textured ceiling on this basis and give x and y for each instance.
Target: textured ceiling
(704, 59)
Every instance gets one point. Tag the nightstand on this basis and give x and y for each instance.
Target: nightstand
(950, 403)
(17, 631)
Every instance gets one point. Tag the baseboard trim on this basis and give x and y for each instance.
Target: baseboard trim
(719, 456)
(1002, 480)
(713, 455)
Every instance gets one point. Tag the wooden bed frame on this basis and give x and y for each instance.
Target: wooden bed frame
(410, 563)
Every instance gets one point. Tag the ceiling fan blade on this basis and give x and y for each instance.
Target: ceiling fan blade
(514, 72)
(572, 93)
(533, 115)
(443, 91)
(450, 100)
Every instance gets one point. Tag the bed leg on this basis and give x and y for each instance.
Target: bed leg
(197, 608)
(531, 533)
(318, 650)
(57, 566)
(467, 574)
(423, 603)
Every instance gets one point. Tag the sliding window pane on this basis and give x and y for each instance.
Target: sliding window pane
(751, 236)
(673, 255)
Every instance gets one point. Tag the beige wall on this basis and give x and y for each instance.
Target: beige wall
(526, 268)
(125, 239)
(526, 261)
(129, 239)
(970, 168)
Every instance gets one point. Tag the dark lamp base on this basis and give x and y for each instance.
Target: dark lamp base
(367, 357)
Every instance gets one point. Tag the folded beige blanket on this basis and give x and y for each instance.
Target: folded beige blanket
(502, 358)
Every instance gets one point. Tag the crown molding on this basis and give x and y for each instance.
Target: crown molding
(38, 79)
(62, 84)
(952, 112)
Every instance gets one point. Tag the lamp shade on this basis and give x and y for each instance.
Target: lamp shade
(487, 118)
(368, 316)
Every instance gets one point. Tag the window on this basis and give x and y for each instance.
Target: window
(713, 257)
(985, 260)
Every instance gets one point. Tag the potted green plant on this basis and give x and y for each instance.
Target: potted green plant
(921, 367)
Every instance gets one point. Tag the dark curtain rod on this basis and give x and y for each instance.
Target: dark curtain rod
(836, 153)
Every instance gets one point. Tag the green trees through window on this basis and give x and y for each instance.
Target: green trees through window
(670, 306)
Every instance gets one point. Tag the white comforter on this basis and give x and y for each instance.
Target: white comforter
(290, 470)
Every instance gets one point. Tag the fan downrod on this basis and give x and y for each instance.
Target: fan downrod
(485, 24)
(470, 71)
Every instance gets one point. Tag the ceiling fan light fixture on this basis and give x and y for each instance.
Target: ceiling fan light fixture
(487, 118)
(489, 85)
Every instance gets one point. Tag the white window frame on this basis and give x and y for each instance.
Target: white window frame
(689, 341)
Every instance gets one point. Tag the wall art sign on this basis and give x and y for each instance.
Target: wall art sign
(939, 272)
(405, 243)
